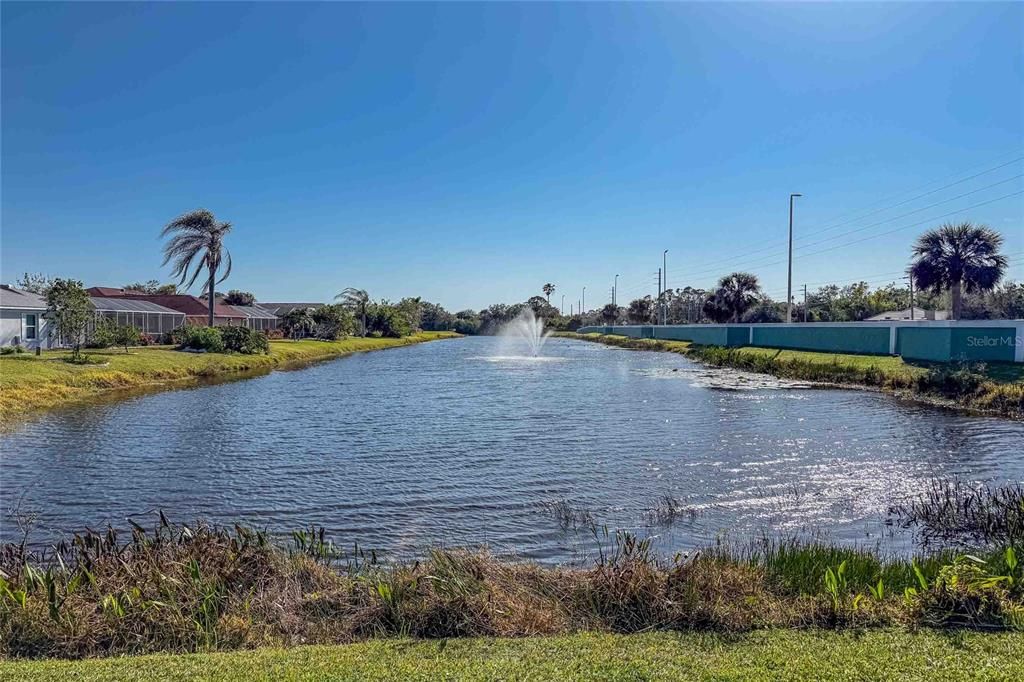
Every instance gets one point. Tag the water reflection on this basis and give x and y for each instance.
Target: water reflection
(439, 443)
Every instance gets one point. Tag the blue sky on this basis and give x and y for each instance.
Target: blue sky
(470, 153)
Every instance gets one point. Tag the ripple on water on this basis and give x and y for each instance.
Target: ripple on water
(460, 442)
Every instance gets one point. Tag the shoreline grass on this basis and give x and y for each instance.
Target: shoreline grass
(998, 390)
(765, 655)
(182, 589)
(29, 383)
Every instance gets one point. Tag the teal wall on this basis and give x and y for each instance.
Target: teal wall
(867, 340)
(924, 342)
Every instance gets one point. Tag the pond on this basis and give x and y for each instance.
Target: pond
(462, 442)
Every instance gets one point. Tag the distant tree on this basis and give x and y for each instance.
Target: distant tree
(236, 297)
(330, 322)
(640, 310)
(69, 310)
(610, 313)
(735, 294)
(298, 322)
(548, 289)
(126, 335)
(35, 283)
(957, 257)
(541, 308)
(358, 301)
(198, 236)
(433, 317)
(412, 308)
(763, 311)
(151, 287)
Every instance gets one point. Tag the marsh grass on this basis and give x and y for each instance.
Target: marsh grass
(953, 511)
(200, 588)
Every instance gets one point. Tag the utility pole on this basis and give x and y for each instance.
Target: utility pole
(789, 277)
(805, 303)
(583, 301)
(570, 310)
(615, 292)
(561, 311)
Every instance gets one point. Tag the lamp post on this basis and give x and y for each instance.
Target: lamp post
(789, 276)
(664, 286)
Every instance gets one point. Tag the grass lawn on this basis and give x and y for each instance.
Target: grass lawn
(895, 365)
(761, 655)
(29, 383)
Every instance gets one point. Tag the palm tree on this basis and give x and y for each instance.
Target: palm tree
(737, 293)
(958, 257)
(356, 299)
(198, 235)
(548, 289)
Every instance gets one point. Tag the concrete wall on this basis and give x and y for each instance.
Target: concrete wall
(12, 328)
(942, 341)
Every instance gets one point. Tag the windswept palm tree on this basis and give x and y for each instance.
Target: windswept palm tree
(356, 299)
(548, 289)
(198, 240)
(957, 257)
(736, 293)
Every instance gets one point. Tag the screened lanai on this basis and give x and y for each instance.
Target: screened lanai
(257, 318)
(147, 317)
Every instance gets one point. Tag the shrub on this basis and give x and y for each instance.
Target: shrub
(244, 340)
(200, 338)
(126, 335)
(102, 335)
(274, 333)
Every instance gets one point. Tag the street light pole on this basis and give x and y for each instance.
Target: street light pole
(789, 277)
(664, 286)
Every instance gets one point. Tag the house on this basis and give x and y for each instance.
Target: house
(22, 321)
(909, 314)
(282, 309)
(149, 318)
(196, 311)
(257, 317)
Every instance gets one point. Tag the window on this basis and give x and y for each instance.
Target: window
(31, 327)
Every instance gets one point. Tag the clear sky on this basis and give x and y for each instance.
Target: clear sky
(470, 153)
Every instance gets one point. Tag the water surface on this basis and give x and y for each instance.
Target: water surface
(462, 443)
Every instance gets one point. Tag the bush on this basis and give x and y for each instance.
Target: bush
(102, 335)
(199, 338)
(126, 335)
(244, 340)
(11, 350)
(274, 333)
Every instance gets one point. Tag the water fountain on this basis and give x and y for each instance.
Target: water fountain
(528, 329)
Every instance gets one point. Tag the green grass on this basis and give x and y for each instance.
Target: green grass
(29, 383)
(762, 655)
(996, 388)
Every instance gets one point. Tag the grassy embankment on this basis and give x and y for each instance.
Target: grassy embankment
(770, 655)
(994, 388)
(29, 383)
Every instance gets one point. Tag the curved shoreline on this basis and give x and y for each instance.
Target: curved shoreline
(1005, 400)
(29, 385)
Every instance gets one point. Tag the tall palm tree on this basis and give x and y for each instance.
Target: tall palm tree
(356, 299)
(198, 235)
(957, 257)
(738, 292)
(548, 289)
